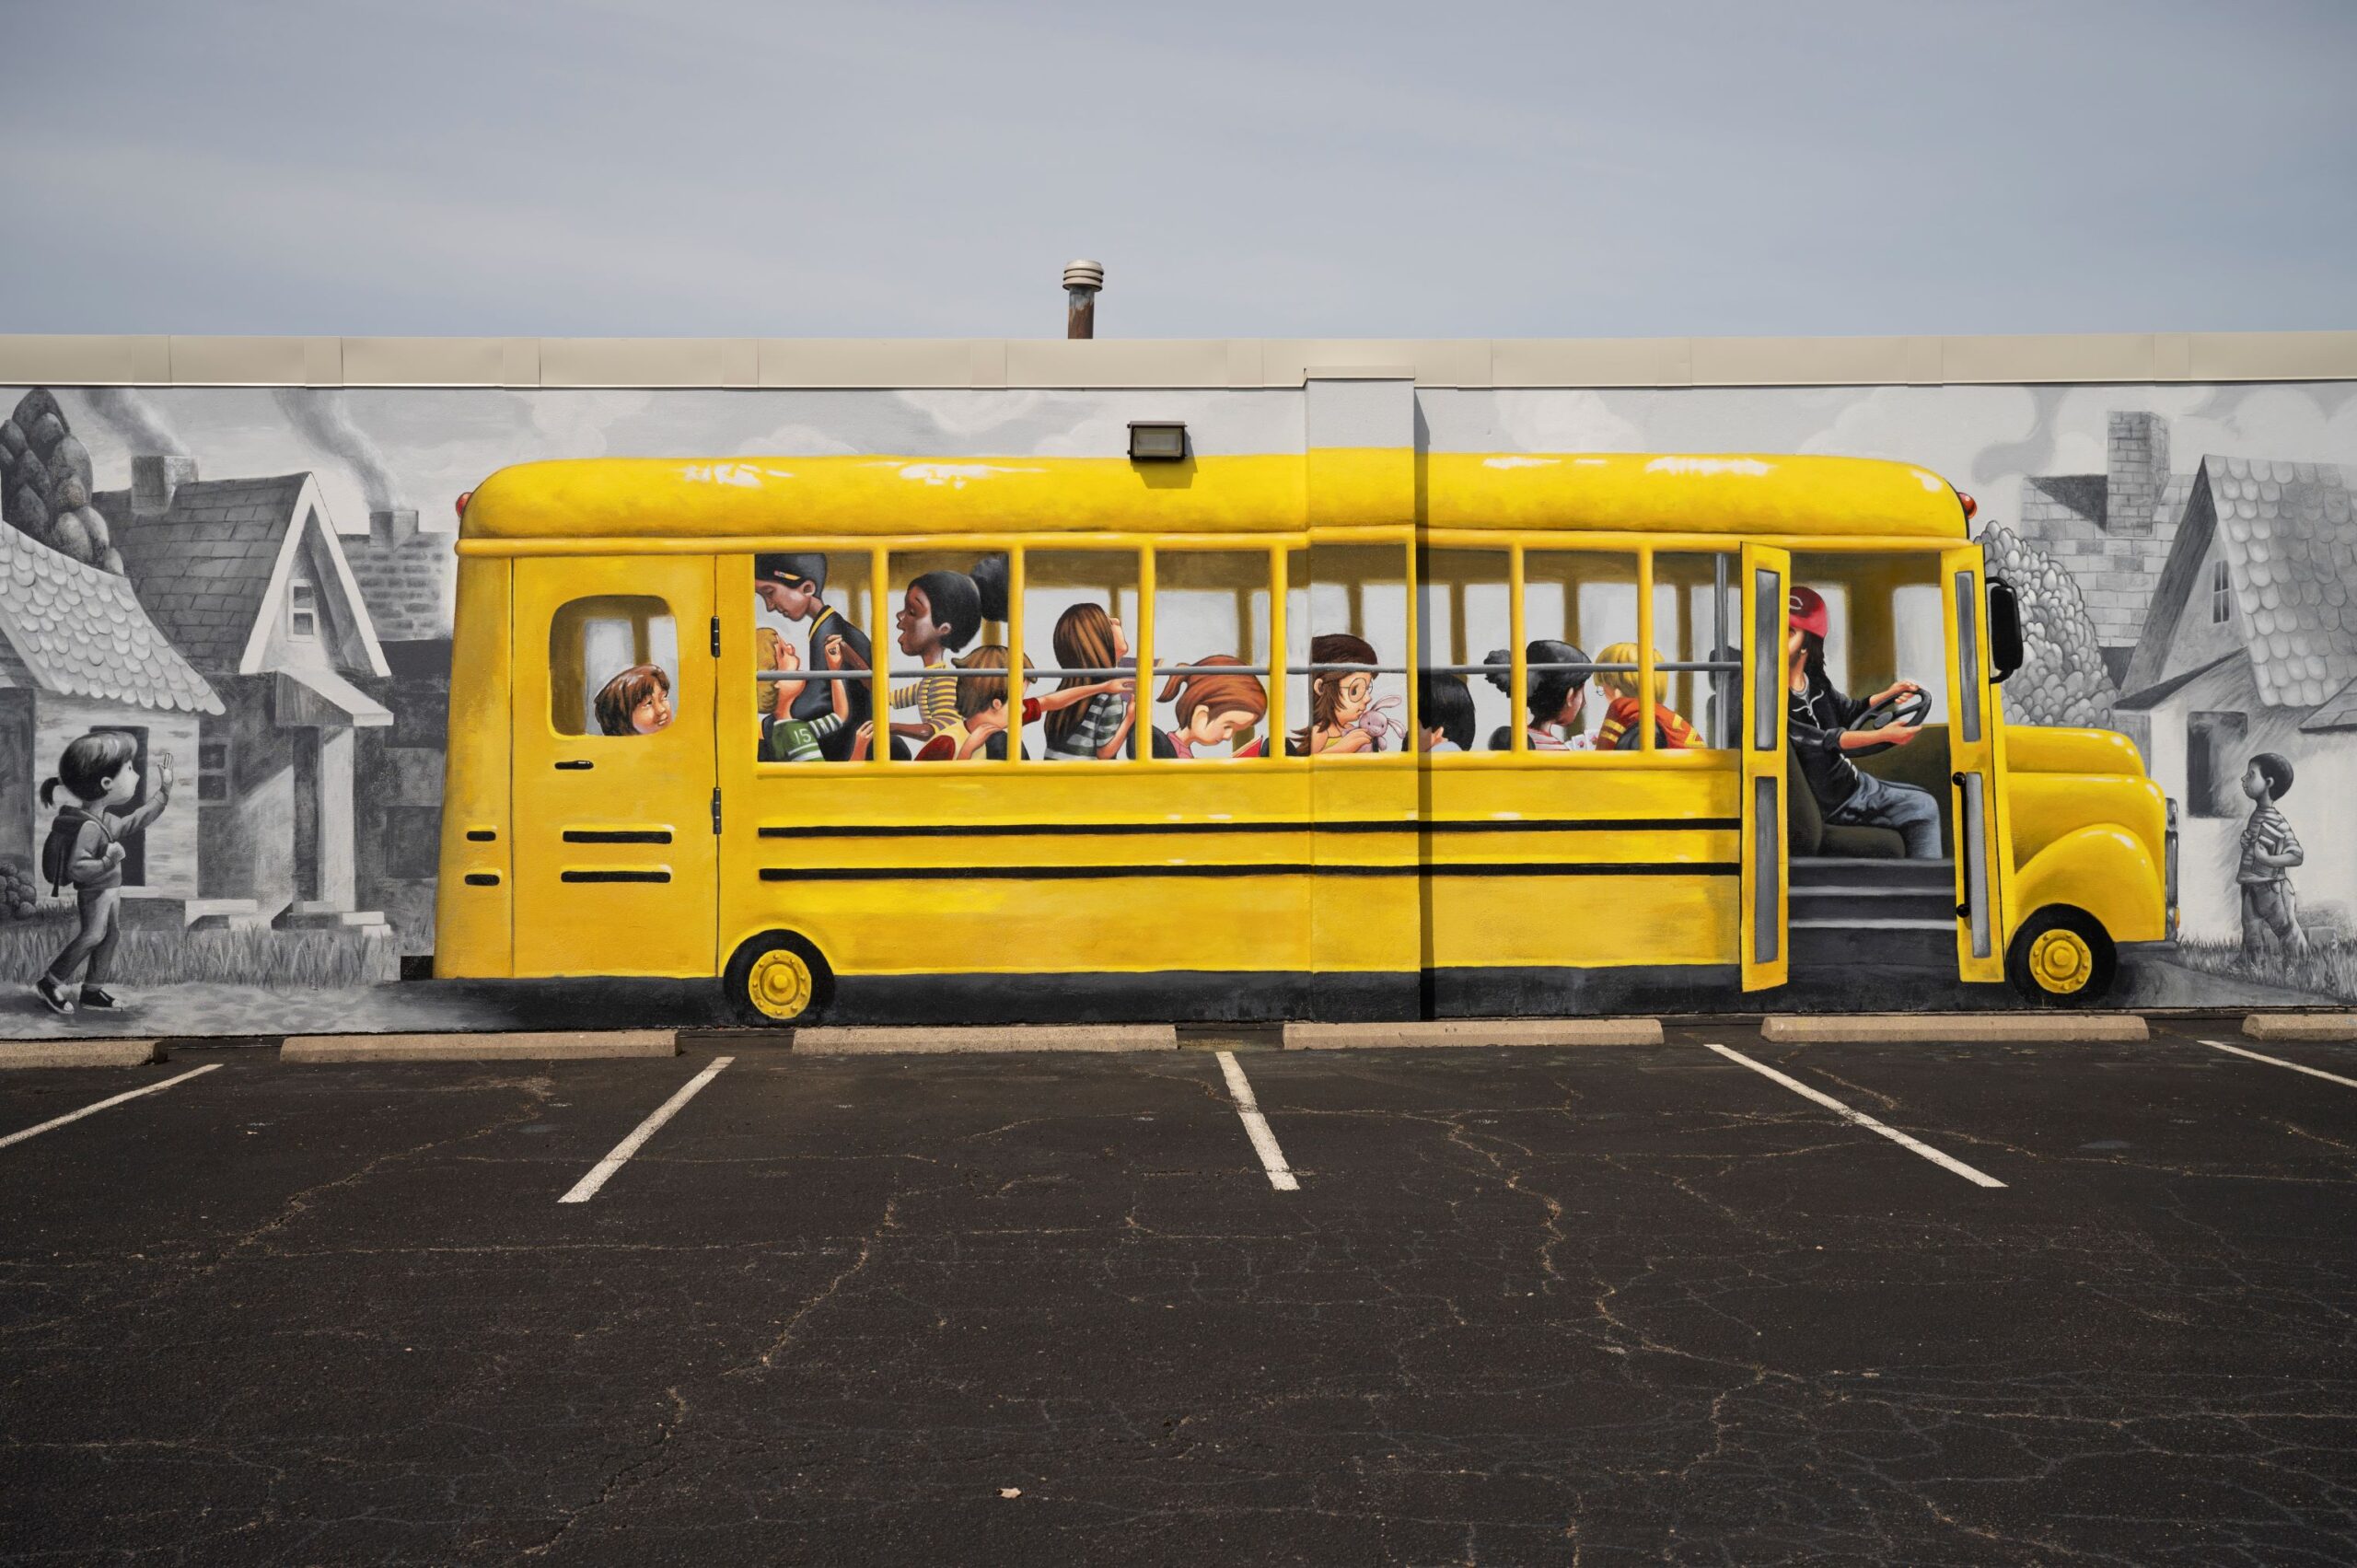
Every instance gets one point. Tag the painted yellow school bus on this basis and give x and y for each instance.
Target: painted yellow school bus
(1347, 734)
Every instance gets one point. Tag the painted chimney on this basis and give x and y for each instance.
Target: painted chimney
(154, 479)
(2136, 461)
(396, 525)
(1082, 282)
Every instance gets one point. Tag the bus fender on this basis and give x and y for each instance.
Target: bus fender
(2106, 871)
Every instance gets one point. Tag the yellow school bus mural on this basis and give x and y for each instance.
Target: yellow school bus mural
(1358, 733)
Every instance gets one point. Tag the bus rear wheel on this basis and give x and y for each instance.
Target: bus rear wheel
(778, 979)
(2062, 956)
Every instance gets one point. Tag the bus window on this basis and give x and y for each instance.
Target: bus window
(1211, 666)
(1698, 615)
(1464, 610)
(1573, 603)
(804, 600)
(1346, 649)
(613, 662)
(1080, 627)
(941, 604)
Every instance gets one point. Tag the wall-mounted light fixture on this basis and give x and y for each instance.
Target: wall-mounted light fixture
(1157, 441)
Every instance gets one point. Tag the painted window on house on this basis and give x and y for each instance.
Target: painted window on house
(2215, 746)
(613, 660)
(2221, 595)
(213, 769)
(302, 612)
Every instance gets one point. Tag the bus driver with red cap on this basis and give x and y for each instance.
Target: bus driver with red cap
(1821, 737)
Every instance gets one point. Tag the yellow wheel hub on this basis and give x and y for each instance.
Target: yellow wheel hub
(2061, 961)
(780, 984)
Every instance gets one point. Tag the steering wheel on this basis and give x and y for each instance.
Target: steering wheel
(1903, 707)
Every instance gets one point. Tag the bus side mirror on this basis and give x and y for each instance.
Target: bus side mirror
(2004, 630)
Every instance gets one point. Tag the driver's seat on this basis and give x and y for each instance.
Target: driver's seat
(1808, 833)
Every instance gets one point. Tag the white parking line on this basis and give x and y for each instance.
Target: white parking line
(586, 1188)
(1946, 1162)
(116, 1099)
(1256, 1126)
(2279, 1061)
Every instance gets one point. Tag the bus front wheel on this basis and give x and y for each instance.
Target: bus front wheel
(777, 978)
(2062, 956)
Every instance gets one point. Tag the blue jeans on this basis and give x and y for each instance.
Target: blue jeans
(1908, 811)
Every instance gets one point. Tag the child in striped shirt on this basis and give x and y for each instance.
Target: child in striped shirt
(939, 614)
(2269, 849)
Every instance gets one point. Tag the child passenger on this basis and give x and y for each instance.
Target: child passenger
(636, 702)
(1087, 639)
(804, 740)
(1555, 682)
(1343, 717)
(939, 614)
(85, 848)
(1444, 710)
(1212, 707)
(1619, 731)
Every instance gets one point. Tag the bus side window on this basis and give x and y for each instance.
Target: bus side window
(803, 602)
(1464, 609)
(613, 662)
(1080, 632)
(1210, 672)
(1346, 650)
(1698, 624)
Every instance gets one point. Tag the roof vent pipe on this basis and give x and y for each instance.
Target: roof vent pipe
(1082, 280)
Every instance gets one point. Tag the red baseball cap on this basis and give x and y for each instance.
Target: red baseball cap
(1807, 611)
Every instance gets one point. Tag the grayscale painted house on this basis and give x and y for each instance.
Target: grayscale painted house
(78, 653)
(2112, 531)
(2251, 645)
(247, 578)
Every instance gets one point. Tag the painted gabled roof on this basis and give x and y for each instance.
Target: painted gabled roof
(203, 566)
(81, 632)
(2289, 533)
(209, 567)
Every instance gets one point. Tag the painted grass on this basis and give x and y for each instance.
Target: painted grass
(294, 959)
(2328, 969)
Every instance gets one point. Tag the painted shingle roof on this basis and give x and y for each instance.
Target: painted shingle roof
(81, 632)
(203, 566)
(2291, 536)
(2339, 711)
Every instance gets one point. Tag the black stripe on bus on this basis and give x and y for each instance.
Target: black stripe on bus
(1102, 830)
(618, 835)
(1071, 873)
(614, 876)
(482, 878)
(481, 836)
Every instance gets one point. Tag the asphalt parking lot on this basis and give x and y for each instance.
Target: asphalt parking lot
(2042, 1303)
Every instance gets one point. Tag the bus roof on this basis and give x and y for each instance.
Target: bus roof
(756, 498)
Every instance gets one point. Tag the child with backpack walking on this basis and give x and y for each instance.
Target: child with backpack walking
(84, 848)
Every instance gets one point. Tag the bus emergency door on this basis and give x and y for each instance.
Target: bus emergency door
(1767, 584)
(1976, 758)
(614, 832)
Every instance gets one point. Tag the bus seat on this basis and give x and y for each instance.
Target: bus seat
(1808, 833)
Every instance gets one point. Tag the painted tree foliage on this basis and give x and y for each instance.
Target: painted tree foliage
(45, 484)
(2062, 678)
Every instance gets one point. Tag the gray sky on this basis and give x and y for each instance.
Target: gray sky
(683, 166)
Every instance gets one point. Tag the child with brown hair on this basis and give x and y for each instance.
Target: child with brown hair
(1212, 707)
(636, 702)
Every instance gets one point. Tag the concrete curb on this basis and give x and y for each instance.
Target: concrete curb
(80, 1052)
(1473, 1032)
(1013, 1037)
(578, 1046)
(2030, 1028)
(2300, 1026)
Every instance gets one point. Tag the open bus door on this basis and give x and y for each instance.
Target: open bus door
(1976, 760)
(1767, 587)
